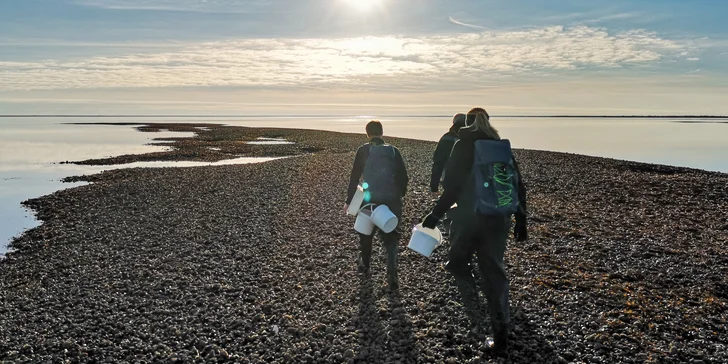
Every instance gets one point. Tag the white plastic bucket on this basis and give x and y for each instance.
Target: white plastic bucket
(424, 240)
(356, 202)
(384, 219)
(364, 223)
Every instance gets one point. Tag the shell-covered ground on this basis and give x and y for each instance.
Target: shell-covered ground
(626, 262)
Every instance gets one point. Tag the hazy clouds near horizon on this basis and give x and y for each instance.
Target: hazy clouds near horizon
(340, 56)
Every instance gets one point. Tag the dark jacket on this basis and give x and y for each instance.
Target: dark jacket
(458, 175)
(442, 154)
(401, 178)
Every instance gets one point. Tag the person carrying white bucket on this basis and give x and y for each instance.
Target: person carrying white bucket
(383, 175)
(483, 178)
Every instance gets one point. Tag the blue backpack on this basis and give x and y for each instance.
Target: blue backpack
(378, 177)
(496, 179)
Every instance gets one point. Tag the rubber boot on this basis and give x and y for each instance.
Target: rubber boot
(392, 280)
(498, 344)
(365, 253)
(363, 262)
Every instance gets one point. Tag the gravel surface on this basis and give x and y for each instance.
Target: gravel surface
(626, 262)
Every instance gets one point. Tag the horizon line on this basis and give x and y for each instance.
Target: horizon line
(348, 116)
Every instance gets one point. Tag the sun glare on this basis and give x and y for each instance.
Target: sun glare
(363, 5)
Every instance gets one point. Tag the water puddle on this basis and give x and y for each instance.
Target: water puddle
(30, 156)
(269, 141)
(160, 164)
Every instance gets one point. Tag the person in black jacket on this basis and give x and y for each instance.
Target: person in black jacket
(443, 150)
(393, 201)
(439, 161)
(483, 235)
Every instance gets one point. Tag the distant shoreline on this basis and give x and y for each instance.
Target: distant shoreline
(410, 116)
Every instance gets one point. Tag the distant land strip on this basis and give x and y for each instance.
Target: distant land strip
(366, 116)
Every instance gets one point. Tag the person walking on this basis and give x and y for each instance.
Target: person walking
(439, 161)
(443, 150)
(383, 176)
(482, 176)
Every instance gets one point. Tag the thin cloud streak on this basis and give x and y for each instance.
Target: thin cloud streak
(620, 16)
(457, 22)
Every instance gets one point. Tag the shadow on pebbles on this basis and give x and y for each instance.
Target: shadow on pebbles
(626, 262)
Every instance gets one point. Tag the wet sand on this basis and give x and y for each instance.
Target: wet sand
(626, 262)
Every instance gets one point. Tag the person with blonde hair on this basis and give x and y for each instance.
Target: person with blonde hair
(483, 177)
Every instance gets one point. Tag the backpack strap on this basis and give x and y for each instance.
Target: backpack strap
(394, 152)
(450, 137)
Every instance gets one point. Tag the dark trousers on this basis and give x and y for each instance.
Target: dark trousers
(390, 242)
(447, 221)
(485, 237)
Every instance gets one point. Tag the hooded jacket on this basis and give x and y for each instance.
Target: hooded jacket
(458, 184)
(442, 154)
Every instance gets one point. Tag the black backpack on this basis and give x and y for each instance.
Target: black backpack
(450, 137)
(378, 178)
(496, 179)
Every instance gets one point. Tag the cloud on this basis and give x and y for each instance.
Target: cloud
(619, 16)
(694, 71)
(693, 59)
(388, 61)
(44, 42)
(455, 21)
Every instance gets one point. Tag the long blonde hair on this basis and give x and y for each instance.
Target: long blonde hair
(482, 123)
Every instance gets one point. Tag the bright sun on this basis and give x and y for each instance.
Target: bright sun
(363, 5)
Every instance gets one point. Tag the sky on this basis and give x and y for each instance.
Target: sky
(363, 57)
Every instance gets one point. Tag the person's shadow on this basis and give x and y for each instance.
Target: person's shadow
(526, 344)
(380, 341)
(370, 332)
(402, 343)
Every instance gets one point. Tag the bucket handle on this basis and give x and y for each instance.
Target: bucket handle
(370, 205)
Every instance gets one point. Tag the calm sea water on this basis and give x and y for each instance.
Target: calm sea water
(30, 148)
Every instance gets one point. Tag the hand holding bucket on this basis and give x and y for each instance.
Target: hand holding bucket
(424, 240)
(356, 202)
